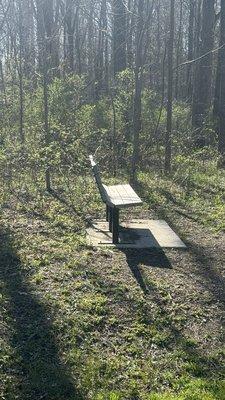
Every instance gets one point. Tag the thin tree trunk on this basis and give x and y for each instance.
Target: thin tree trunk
(129, 34)
(3, 82)
(20, 73)
(190, 49)
(70, 27)
(170, 91)
(220, 90)
(91, 54)
(45, 62)
(119, 35)
(158, 77)
(77, 42)
(100, 65)
(178, 53)
(203, 82)
(137, 91)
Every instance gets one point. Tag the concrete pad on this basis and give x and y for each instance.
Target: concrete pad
(136, 234)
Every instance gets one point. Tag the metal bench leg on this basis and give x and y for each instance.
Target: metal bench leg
(115, 226)
(107, 213)
(110, 219)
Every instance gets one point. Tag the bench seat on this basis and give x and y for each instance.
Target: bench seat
(121, 196)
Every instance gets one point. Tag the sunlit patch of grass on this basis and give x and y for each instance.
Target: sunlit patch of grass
(196, 187)
(198, 389)
(93, 304)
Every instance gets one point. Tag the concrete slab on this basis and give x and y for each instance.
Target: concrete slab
(136, 234)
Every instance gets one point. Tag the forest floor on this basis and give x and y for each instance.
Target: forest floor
(84, 323)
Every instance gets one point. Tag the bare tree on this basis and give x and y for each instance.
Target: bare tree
(203, 82)
(190, 49)
(119, 35)
(138, 88)
(170, 90)
(219, 102)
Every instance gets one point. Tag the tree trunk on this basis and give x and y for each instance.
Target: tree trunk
(70, 27)
(46, 125)
(20, 73)
(170, 91)
(190, 49)
(77, 42)
(45, 64)
(119, 36)
(203, 95)
(101, 64)
(91, 53)
(219, 106)
(137, 91)
(159, 45)
(178, 53)
(2, 85)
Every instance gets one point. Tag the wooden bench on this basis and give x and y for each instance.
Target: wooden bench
(115, 197)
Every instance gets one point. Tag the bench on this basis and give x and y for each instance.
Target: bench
(115, 197)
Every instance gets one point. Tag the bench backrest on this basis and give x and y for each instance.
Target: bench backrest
(97, 177)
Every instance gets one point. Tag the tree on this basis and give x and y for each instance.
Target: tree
(69, 29)
(179, 44)
(203, 83)
(102, 51)
(219, 103)
(119, 35)
(45, 59)
(167, 166)
(190, 49)
(138, 88)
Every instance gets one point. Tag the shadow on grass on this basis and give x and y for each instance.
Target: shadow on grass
(64, 201)
(211, 277)
(193, 360)
(155, 258)
(41, 373)
(198, 362)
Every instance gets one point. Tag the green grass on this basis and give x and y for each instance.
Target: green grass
(196, 188)
(197, 389)
(76, 324)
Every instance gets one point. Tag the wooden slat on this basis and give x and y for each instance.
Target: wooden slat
(114, 197)
(128, 193)
(122, 196)
(127, 196)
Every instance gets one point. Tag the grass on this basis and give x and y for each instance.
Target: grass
(81, 323)
(196, 189)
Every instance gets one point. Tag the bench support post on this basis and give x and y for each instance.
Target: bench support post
(115, 225)
(110, 219)
(107, 213)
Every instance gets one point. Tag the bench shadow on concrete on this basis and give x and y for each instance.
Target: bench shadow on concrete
(141, 236)
(37, 365)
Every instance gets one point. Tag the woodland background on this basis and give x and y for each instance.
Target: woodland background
(80, 76)
(141, 85)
